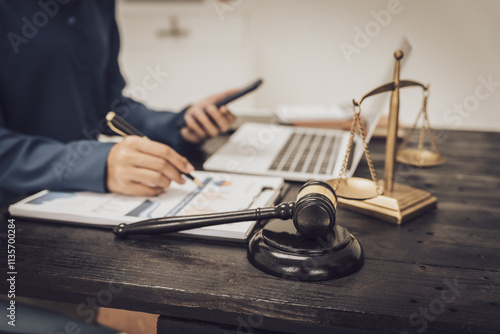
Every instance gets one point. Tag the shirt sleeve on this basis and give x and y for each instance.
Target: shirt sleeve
(162, 126)
(31, 163)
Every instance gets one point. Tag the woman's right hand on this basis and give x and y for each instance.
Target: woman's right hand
(142, 167)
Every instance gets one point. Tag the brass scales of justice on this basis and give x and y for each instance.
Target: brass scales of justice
(389, 201)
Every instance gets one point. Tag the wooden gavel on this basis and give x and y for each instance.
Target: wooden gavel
(313, 215)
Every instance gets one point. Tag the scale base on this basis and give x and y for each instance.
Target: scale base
(279, 250)
(403, 204)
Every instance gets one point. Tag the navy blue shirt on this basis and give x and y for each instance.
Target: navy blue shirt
(59, 76)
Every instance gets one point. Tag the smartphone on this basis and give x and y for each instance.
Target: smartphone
(242, 92)
(230, 98)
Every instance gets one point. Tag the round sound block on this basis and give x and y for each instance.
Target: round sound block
(278, 249)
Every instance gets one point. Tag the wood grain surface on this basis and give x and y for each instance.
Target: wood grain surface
(439, 273)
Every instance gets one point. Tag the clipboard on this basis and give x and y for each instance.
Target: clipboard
(222, 192)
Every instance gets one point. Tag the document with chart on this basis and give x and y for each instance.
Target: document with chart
(222, 192)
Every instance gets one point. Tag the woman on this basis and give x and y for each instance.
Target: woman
(59, 77)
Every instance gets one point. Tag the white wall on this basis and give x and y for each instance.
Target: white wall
(295, 45)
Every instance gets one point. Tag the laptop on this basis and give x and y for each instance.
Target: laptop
(298, 153)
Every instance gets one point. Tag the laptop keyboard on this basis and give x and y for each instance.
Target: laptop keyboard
(307, 153)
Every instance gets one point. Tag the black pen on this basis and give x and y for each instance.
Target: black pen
(123, 128)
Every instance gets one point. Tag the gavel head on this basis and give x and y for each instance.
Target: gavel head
(315, 209)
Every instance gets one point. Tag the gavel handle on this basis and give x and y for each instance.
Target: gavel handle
(176, 224)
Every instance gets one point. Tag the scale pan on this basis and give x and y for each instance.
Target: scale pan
(420, 158)
(354, 188)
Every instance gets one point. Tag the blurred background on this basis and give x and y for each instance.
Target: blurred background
(317, 52)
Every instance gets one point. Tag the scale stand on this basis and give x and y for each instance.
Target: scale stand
(398, 202)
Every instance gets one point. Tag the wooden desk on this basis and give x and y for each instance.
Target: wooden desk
(444, 265)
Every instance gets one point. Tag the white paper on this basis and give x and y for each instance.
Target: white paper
(222, 192)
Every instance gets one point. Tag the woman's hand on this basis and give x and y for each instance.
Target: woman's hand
(142, 167)
(204, 120)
